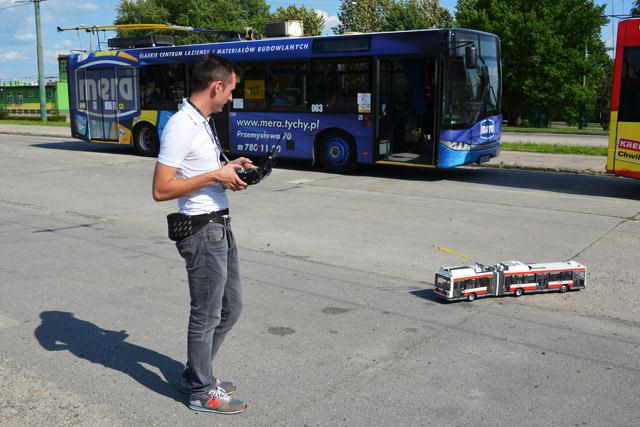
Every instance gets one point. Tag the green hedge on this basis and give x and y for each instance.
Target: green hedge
(4, 115)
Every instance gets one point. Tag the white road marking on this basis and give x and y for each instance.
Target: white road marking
(7, 322)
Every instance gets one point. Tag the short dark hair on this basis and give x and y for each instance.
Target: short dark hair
(209, 69)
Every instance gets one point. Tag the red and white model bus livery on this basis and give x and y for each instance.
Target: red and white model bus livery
(508, 278)
(465, 282)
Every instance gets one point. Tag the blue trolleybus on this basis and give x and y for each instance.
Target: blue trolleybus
(425, 98)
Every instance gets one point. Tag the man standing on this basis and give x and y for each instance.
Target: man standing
(189, 169)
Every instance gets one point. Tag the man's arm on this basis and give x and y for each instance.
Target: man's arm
(166, 186)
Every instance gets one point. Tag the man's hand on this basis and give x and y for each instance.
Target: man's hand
(243, 162)
(228, 178)
(167, 187)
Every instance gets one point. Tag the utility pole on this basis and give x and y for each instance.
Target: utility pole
(41, 82)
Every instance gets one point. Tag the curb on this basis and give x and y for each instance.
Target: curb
(29, 133)
(543, 169)
(515, 165)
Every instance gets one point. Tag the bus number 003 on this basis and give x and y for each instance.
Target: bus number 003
(316, 108)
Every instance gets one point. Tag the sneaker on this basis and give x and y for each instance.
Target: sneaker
(227, 386)
(216, 401)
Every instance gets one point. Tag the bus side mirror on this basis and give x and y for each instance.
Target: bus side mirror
(470, 57)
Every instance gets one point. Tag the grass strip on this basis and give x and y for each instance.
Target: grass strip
(586, 131)
(32, 123)
(554, 148)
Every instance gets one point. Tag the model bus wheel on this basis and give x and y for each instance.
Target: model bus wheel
(145, 140)
(471, 297)
(563, 289)
(337, 153)
(519, 292)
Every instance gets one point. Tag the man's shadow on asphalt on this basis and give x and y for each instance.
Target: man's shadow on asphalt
(60, 330)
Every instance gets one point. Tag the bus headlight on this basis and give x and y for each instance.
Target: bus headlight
(456, 145)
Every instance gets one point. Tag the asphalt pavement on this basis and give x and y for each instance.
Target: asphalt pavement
(592, 165)
(341, 326)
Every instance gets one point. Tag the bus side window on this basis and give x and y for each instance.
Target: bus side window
(470, 283)
(251, 86)
(336, 83)
(287, 86)
(483, 282)
(162, 86)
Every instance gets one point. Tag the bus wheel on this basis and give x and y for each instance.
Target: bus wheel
(337, 153)
(145, 140)
(519, 292)
(563, 289)
(471, 297)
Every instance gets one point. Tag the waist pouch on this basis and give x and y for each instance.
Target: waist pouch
(182, 226)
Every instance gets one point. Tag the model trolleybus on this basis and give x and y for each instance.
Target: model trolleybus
(469, 282)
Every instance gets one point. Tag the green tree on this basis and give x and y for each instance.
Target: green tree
(554, 60)
(416, 14)
(635, 9)
(232, 15)
(312, 22)
(391, 15)
(362, 16)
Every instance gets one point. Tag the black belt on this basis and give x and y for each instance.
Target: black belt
(220, 217)
(182, 226)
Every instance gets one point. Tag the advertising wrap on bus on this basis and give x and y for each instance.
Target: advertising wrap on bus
(459, 147)
(406, 98)
(255, 133)
(231, 50)
(104, 94)
(629, 150)
(623, 157)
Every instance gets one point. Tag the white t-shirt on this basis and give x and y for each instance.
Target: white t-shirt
(187, 143)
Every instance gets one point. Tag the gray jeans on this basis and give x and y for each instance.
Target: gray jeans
(212, 265)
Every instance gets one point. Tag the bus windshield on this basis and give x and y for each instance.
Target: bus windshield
(629, 108)
(443, 282)
(471, 94)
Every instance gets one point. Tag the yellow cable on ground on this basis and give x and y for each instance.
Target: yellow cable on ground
(440, 248)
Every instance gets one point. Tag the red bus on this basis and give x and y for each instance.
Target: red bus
(624, 135)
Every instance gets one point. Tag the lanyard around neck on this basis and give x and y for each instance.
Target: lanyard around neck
(211, 130)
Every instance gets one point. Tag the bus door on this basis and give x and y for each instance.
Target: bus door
(78, 105)
(406, 109)
(95, 90)
(543, 281)
(125, 102)
(578, 279)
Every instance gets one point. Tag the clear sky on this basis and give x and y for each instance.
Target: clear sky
(18, 33)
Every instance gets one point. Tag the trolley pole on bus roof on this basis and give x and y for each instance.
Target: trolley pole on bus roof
(41, 83)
